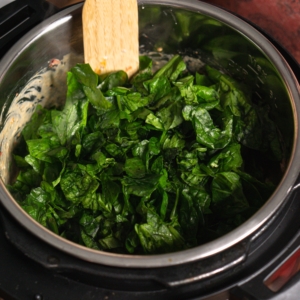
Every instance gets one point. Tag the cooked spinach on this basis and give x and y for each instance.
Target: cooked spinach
(155, 164)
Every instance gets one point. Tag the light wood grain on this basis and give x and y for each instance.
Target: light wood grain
(110, 35)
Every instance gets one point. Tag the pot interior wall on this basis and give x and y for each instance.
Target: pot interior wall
(163, 30)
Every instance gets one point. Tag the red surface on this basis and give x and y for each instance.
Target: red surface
(278, 18)
(284, 273)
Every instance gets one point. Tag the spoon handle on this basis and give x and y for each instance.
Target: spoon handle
(110, 35)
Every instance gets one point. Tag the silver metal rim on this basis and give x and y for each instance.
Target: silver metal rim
(209, 249)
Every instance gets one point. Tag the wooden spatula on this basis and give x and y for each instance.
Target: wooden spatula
(110, 35)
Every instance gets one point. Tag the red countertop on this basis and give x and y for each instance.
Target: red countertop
(278, 18)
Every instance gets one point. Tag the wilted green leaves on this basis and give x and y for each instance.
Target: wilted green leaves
(153, 165)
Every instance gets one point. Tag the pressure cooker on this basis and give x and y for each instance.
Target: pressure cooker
(257, 260)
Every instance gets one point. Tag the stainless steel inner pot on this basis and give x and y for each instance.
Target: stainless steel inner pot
(234, 46)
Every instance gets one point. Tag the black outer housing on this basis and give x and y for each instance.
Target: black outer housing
(18, 17)
(32, 269)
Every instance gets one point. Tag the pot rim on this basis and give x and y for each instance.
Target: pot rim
(216, 246)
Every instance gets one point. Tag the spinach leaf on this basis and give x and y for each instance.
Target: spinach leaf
(227, 194)
(78, 186)
(89, 80)
(207, 133)
(159, 163)
(171, 69)
(194, 202)
(158, 237)
(135, 168)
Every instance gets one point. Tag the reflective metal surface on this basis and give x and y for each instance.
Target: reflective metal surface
(217, 38)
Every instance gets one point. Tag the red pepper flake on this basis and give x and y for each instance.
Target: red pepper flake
(54, 62)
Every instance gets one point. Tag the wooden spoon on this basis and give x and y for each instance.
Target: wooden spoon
(110, 35)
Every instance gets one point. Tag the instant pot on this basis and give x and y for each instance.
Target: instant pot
(258, 260)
